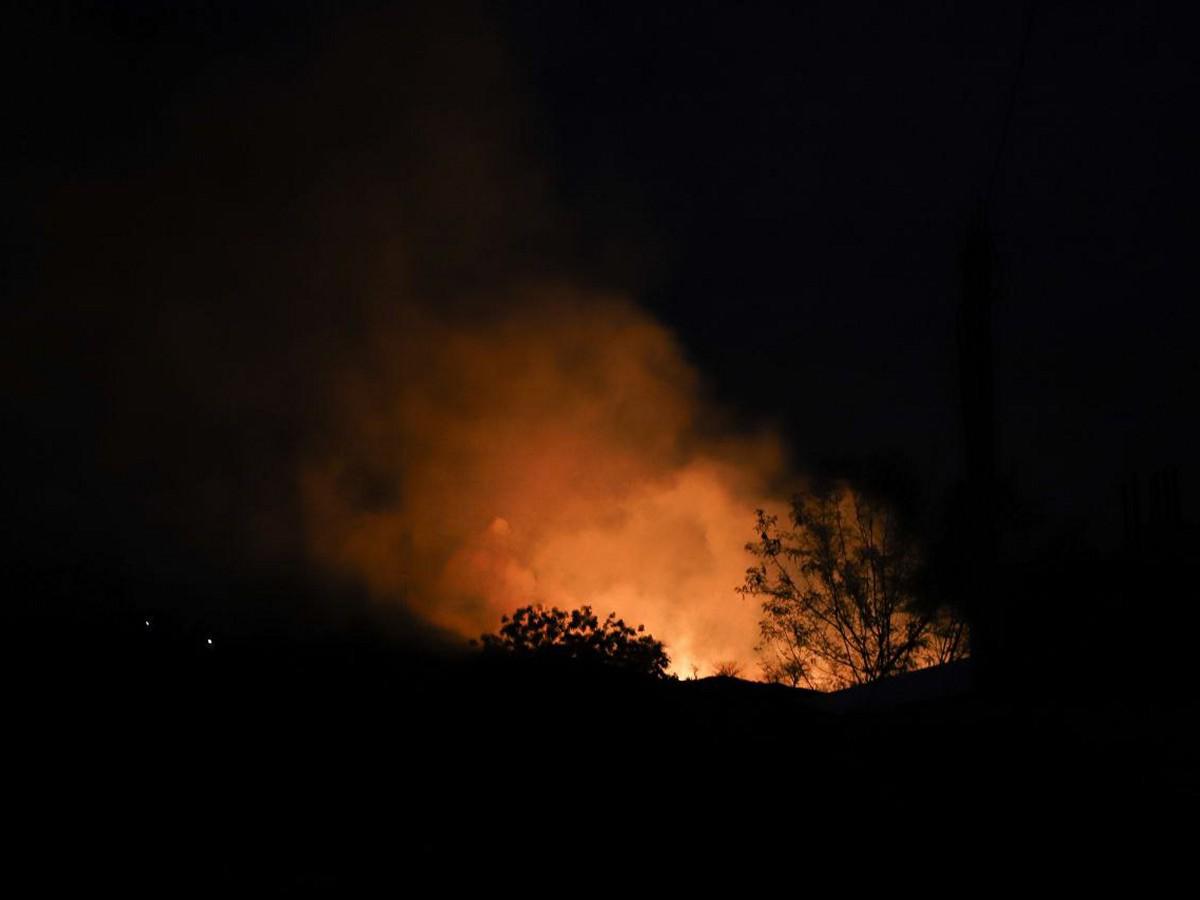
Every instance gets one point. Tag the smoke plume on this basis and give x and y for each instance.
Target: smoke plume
(550, 453)
(328, 319)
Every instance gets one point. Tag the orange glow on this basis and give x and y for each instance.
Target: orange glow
(550, 455)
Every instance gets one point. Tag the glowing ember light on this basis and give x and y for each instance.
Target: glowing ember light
(560, 455)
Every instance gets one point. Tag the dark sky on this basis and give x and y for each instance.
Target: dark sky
(811, 169)
(786, 186)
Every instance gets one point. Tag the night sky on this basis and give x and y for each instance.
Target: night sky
(809, 172)
(202, 200)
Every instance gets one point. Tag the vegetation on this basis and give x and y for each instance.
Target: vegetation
(538, 632)
(838, 594)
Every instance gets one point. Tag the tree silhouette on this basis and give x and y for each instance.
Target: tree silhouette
(537, 632)
(838, 594)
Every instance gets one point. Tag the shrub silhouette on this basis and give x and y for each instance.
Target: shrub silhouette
(537, 632)
(838, 594)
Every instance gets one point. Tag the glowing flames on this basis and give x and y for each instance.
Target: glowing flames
(550, 454)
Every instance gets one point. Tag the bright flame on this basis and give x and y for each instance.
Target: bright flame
(553, 455)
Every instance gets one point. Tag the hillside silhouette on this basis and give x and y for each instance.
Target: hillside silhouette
(345, 759)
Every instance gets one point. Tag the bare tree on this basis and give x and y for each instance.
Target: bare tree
(837, 594)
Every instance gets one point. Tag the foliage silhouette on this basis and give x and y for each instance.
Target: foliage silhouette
(537, 632)
(838, 594)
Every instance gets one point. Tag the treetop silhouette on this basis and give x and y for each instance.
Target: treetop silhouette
(537, 632)
(839, 594)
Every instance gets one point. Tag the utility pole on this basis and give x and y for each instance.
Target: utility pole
(984, 603)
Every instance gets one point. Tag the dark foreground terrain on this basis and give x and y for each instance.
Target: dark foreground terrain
(143, 757)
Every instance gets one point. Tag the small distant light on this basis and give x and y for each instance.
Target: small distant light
(210, 642)
(147, 623)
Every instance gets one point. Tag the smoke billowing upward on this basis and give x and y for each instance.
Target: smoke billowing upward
(329, 320)
(549, 455)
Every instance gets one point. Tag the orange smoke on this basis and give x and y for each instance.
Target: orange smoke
(551, 453)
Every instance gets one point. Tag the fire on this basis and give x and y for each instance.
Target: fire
(559, 454)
